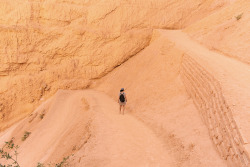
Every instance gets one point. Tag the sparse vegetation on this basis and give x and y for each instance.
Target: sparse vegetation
(26, 135)
(12, 158)
(239, 16)
(40, 165)
(63, 162)
(42, 115)
(9, 153)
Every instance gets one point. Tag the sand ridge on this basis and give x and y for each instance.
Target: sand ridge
(113, 139)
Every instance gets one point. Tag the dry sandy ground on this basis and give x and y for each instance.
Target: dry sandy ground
(69, 125)
(157, 96)
(47, 45)
(87, 124)
(161, 126)
(232, 74)
(226, 31)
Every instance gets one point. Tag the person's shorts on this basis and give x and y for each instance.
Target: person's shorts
(122, 103)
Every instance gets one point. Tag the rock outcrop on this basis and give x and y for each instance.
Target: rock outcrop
(49, 45)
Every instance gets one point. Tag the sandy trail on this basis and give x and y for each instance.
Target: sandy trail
(154, 76)
(87, 123)
(232, 74)
(114, 139)
(121, 140)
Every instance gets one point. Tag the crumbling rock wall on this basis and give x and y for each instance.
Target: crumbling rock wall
(207, 95)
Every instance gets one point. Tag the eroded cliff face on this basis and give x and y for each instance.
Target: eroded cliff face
(48, 45)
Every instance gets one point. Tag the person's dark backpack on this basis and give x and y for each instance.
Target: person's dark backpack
(122, 97)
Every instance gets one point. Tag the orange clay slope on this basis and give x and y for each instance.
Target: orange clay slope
(161, 126)
(157, 96)
(226, 31)
(86, 124)
(48, 45)
(188, 105)
(156, 79)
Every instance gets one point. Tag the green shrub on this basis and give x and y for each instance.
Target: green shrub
(239, 16)
(26, 135)
(12, 158)
(5, 153)
(40, 165)
(63, 162)
(42, 115)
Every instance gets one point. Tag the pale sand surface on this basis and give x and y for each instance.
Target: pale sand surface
(93, 130)
(224, 33)
(232, 74)
(161, 126)
(113, 139)
(156, 96)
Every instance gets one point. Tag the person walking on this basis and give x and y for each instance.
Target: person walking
(122, 100)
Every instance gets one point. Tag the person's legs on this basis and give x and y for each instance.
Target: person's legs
(120, 109)
(123, 109)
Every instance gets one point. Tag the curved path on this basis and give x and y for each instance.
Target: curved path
(120, 140)
(87, 124)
